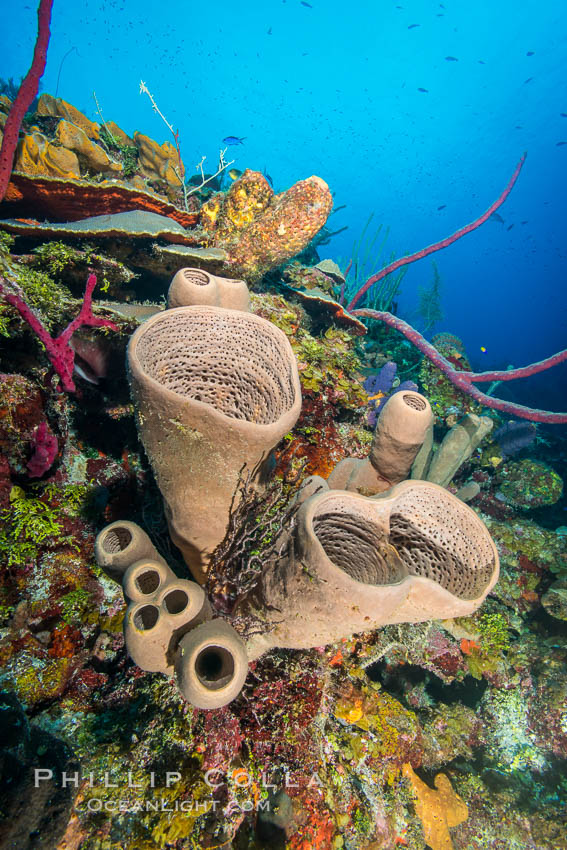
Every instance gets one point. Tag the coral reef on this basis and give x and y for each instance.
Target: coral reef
(384, 738)
(447, 403)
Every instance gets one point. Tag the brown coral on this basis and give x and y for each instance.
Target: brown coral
(159, 162)
(56, 107)
(93, 157)
(36, 155)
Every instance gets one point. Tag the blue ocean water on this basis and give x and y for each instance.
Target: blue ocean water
(416, 112)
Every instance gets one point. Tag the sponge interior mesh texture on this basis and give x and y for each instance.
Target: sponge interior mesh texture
(359, 548)
(233, 361)
(439, 538)
(431, 534)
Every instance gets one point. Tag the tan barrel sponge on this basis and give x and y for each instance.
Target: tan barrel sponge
(192, 287)
(357, 563)
(402, 427)
(215, 390)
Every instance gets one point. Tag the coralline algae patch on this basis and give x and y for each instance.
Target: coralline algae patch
(529, 484)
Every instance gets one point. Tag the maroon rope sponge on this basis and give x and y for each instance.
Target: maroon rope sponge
(27, 91)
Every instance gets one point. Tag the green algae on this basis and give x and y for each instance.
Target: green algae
(27, 524)
(42, 293)
(494, 632)
(329, 364)
(74, 605)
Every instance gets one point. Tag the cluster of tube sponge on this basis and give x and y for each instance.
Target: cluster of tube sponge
(215, 390)
(168, 625)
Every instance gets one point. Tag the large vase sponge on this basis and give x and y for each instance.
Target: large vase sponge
(215, 390)
(357, 563)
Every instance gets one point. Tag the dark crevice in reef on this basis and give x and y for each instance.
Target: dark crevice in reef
(546, 625)
(398, 681)
(530, 795)
(469, 692)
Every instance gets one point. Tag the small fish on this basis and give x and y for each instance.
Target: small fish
(496, 217)
(233, 140)
(481, 62)
(269, 31)
(268, 178)
(413, 26)
(234, 173)
(304, 3)
(451, 59)
(558, 144)
(563, 114)
(528, 80)
(530, 53)
(510, 227)
(442, 207)
(483, 349)
(424, 90)
(524, 222)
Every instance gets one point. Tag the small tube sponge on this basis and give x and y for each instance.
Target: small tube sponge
(402, 426)
(162, 609)
(120, 544)
(168, 626)
(458, 445)
(191, 287)
(211, 665)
